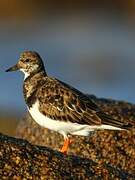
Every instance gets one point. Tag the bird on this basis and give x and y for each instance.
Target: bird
(58, 106)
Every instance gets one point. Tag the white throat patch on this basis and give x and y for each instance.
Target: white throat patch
(31, 69)
(25, 73)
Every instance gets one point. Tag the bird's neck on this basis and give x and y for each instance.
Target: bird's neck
(32, 82)
(28, 75)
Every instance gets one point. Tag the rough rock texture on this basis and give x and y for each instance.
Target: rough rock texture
(107, 148)
(21, 160)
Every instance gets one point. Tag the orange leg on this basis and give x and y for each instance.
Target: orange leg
(65, 146)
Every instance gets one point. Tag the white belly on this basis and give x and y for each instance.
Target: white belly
(64, 128)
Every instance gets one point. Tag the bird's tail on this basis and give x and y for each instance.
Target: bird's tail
(108, 120)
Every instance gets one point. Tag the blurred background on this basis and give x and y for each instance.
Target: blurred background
(87, 43)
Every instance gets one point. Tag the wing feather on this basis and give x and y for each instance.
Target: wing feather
(65, 103)
(60, 101)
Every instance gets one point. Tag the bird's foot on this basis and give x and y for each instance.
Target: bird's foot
(65, 146)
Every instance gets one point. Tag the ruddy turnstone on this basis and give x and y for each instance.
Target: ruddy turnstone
(58, 106)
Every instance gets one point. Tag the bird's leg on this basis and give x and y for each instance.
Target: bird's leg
(65, 146)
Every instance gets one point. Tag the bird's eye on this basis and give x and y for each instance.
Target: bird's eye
(27, 60)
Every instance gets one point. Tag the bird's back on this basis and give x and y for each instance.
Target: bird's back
(60, 101)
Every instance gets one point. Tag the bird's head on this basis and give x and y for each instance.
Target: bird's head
(29, 63)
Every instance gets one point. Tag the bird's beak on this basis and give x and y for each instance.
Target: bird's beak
(13, 68)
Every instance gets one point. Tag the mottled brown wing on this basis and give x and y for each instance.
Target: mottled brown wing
(62, 102)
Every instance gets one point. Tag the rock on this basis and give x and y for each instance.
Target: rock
(21, 160)
(106, 148)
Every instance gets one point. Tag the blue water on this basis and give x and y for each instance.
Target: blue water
(96, 58)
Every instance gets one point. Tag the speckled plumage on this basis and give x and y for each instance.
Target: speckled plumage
(59, 102)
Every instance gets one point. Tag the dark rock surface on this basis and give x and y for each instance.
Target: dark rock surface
(103, 155)
(21, 160)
